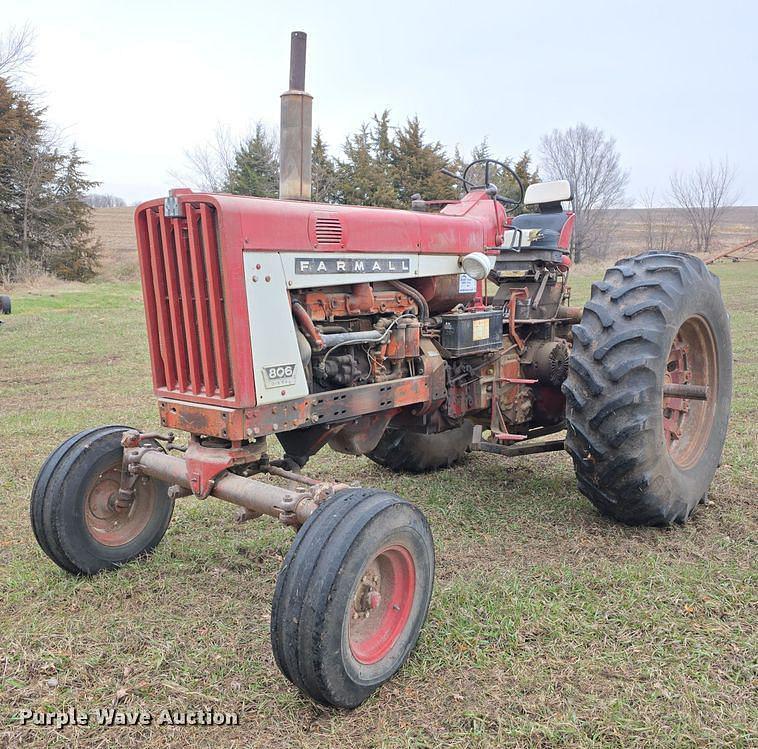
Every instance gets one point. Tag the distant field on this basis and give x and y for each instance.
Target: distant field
(115, 228)
(550, 626)
(738, 226)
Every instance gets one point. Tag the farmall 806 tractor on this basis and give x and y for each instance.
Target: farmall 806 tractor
(407, 336)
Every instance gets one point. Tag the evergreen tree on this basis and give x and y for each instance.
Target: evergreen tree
(43, 222)
(21, 134)
(324, 188)
(362, 179)
(523, 168)
(382, 145)
(74, 253)
(456, 166)
(504, 181)
(476, 174)
(381, 141)
(417, 165)
(256, 166)
(482, 151)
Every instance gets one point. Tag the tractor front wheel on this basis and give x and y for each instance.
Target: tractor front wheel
(649, 388)
(75, 513)
(352, 595)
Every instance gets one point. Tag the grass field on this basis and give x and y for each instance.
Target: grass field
(550, 626)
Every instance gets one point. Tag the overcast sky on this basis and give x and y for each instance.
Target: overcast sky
(134, 83)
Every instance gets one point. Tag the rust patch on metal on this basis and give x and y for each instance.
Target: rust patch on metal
(330, 407)
(691, 375)
(197, 418)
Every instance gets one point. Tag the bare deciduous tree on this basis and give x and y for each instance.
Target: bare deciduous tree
(588, 159)
(704, 194)
(104, 200)
(663, 229)
(208, 166)
(16, 50)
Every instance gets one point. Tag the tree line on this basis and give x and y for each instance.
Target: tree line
(381, 164)
(44, 222)
(104, 200)
(46, 198)
(385, 164)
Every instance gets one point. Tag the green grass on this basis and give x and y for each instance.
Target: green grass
(550, 626)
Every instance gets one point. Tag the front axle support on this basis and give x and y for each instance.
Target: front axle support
(291, 507)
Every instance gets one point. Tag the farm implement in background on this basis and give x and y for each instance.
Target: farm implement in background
(747, 251)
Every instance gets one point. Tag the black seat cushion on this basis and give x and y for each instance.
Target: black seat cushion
(550, 224)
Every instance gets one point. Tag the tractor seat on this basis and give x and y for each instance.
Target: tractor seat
(547, 196)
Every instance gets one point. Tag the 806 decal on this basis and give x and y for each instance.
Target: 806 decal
(279, 375)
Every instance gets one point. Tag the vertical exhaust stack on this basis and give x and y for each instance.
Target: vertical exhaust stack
(295, 129)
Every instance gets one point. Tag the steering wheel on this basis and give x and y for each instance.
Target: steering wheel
(488, 163)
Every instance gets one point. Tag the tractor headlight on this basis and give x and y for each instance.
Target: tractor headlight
(476, 264)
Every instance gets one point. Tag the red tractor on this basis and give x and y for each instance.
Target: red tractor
(411, 337)
(407, 336)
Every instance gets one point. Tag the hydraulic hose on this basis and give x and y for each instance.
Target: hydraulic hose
(306, 325)
(417, 296)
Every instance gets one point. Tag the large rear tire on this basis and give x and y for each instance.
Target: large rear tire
(352, 595)
(640, 456)
(5, 304)
(414, 452)
(73, 512)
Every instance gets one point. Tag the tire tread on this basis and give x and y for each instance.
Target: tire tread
(613, 385)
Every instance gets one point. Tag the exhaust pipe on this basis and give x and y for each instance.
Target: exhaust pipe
(295, 128)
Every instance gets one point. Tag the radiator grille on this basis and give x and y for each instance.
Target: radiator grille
(184, 301)
(328, 230)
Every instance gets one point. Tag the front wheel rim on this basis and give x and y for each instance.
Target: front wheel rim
(109, 524)
(381, 605)
(692, 360)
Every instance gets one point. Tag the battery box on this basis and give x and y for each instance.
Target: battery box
(472, 332)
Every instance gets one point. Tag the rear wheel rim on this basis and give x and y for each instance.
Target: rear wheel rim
(109, 524)
(692, 360)
(381, 606)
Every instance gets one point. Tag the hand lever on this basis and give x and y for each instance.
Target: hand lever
(448, 173)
